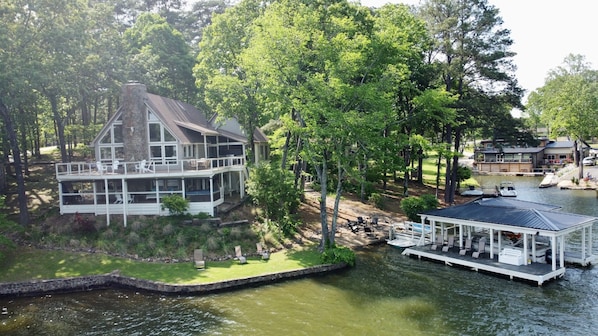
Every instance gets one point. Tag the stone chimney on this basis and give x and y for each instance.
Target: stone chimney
(134, 118)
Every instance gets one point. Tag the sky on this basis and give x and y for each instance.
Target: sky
(544, 32)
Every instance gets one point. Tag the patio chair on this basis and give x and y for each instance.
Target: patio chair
(119, 199)
(101, 167)
(115, 165)
(130, 199)
(450, 243)
(239, 255)
(261, 251)
(139, 167)
(353, 226)
(481, 248)
(198, 259)
(203, 163)
(466, 248)
(439, 242)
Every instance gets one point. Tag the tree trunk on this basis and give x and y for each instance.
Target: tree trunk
(12, 138)
(337, 200)
(59, 122)
(322, 176)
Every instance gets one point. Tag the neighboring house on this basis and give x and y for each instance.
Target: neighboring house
(154, 147)
(498, 157)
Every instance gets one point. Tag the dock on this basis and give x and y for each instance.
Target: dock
(536, 272)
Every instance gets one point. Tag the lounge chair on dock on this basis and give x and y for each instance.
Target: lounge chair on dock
(481, 248)
(450, 243)
(466, 248)
(439, 242)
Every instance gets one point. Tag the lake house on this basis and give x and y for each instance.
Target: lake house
(155, 147)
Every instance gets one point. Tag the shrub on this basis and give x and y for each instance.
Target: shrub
(176, 204)
(377, 200)
(338, 254)
(414, 205)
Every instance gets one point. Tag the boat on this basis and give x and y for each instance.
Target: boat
(472, 191)
(549, 180)
(507, 189)
(409, 234)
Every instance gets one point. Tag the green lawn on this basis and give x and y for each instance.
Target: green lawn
(32, 264)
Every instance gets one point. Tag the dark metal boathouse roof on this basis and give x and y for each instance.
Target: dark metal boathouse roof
(512, 212)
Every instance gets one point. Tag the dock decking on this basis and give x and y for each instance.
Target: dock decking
(534, 272)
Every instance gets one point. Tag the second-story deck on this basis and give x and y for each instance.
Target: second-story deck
(72, 171)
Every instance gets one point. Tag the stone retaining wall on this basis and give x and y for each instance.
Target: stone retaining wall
(114, 279)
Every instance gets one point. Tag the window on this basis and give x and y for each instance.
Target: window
(118, 133)
(154, 133)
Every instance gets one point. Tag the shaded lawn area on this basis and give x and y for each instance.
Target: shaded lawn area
(33, 264)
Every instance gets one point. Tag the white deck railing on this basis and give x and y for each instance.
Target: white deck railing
(134, 168)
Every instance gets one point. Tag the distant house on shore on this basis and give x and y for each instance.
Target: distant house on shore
(499, 157)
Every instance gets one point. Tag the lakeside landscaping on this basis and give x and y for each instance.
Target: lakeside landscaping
(34, 264)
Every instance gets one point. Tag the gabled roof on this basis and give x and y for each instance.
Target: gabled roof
(177, 115)
(511, 212)
(560, 144)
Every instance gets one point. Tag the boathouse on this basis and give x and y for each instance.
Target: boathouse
(518, 239)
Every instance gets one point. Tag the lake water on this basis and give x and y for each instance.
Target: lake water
(385, 294)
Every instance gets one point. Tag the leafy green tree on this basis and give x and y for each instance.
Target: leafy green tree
(160, 58)
(568, 101)
(224, 82)
(475, 63)
(272, 189)
(412, 206)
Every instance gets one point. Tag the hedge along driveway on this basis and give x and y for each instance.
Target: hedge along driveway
(33, 264)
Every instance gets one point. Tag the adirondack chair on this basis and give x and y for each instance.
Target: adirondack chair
(450, 243)
(466, 248)
(101, 167)
(261, 251)
(198, 259)
(481, 248)
(239, 255)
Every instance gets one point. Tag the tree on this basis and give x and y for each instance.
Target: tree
(160, 58)
(221, 75)
(475, 64)
(272, 189)
(568, 101)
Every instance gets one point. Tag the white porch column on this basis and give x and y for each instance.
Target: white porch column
(125, 201)
(525, 248)
(562, 251)
(553, 252)
(492, 243)
(534, 248)
(241, 184)
(590, 229)
(107, 203)
(583, 245)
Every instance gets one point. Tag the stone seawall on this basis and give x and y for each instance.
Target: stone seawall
(114, 279)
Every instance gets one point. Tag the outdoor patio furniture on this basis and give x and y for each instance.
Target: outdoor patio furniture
(198, 259)
(239, 255)
(450, 243)
(101, 167)
(466, 248)
(481, 248)
(261, 251)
